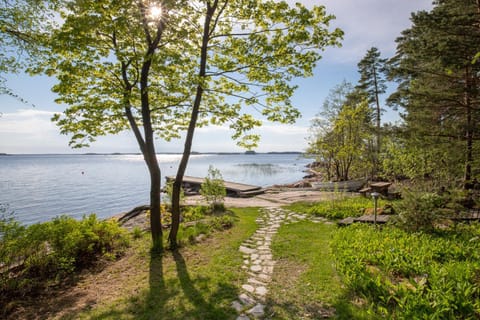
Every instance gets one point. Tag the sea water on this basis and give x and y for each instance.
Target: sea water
(40, 187)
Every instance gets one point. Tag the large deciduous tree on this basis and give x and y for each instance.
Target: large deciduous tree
(124, 65)
(159, 68)
(342, 134)
(439, 81)
(250, 50)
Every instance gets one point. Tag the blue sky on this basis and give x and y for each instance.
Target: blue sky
(366, 23)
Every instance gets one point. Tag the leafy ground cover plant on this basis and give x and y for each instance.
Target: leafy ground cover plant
(339, 207)
(34, 257)
(406, 275)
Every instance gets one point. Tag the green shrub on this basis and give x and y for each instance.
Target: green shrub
(213, 190)
(50, 251)
(189, 234)
(194, 213)
(136, 232)
(418, 211)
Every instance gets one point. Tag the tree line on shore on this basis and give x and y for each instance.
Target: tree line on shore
(437, 71)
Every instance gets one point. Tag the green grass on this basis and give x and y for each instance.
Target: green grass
(305, 284)
(197, 282)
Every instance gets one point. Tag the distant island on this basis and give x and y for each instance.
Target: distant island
(248, 152)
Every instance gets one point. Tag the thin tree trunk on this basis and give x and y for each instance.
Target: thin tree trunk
(150, 157)
(176, 189)
(469, 130)
(378, 143)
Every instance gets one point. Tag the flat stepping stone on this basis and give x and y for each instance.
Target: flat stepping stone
(248, 288)
(261, 291)
(257, 311)
(246, 300)
(238, 306)
(247, 250)
(256, 268)
(256, 282)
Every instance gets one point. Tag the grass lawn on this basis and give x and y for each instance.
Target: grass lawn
(305, 284)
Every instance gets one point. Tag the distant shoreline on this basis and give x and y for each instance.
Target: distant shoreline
(135, 154)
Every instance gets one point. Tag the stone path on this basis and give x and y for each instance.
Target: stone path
(258, 261)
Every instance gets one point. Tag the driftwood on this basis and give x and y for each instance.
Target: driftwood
(133, 213)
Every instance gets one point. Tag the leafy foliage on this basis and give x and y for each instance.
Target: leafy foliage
(418, 211)
(205, 227)
(439, 85)
(412, 275)
(213, 189)
(342, 144)
(33, 256)
(23, 25)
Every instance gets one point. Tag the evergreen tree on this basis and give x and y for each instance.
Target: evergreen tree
(439, 81)
(373, 83)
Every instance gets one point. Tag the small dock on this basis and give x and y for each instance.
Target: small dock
(192, 185)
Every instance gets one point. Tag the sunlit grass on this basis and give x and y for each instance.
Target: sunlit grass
(198, 282)
(305, 283)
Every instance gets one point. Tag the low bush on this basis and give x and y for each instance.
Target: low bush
(213, 190)
(404, 275)
(34, 256)
(419, 210)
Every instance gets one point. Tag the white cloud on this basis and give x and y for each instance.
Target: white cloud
(27, 121)
(368, 23)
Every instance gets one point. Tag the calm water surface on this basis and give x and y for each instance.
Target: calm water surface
(41, 187)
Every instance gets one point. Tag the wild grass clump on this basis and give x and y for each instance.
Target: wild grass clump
(404, 275)
(34, 257)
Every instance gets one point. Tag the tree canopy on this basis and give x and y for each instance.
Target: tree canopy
(23, 25)
(439, 82)
(160, 68)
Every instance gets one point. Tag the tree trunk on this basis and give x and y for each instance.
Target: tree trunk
(155, 215)
(172, 237)
(378, 138)
(469, 131)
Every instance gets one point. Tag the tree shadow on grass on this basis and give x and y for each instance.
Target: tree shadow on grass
(173, 294)
(217, 306)
(146, 304)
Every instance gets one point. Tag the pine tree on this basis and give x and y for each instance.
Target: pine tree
(439, 83)
(373, 83)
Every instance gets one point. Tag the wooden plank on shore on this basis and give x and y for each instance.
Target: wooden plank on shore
(238, 188)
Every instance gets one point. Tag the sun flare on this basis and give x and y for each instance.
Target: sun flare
(155, 12)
